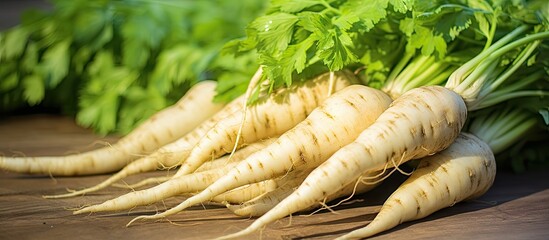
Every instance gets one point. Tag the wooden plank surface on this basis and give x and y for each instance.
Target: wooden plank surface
(516, 207)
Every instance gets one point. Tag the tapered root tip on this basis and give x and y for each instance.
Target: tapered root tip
(77, 212)
(238, 234)
(83, 210)
(358, 234)
(139, 218)
(65, 195)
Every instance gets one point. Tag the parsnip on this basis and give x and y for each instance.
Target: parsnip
(245, 193)
(270, 117)
(164, 127)
(168, 156)
(265, 202)
(185, 184)
(347, 112)
(421, 122)
(464, 171)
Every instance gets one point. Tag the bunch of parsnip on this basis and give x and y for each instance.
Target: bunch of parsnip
(347, 92)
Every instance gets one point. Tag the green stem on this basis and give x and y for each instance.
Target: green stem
(484, 68)
(502, 127)
(523, 56)
(517, 85)
(442, 76)
(410, 71)
(498, 123)
(434, 70)
(504, 97)
(492, 33)
(485, 71)
(502, 143)
(517, 43)
(455, 80)
(400, 65)
(330, 8)
(473, 83)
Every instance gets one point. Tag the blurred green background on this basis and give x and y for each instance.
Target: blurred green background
(113, 63)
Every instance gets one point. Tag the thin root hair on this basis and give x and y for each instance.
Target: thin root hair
(377, 175)
(350, 196)
(290, 218)
(17, 154)
(124, 185)
(50, 175)
(399, 163)
(390, 173)
(331, 83)
(253, 83)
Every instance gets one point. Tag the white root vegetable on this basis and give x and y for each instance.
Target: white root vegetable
(265, 202)
(245, 193)
(270, 117)
(164, 127)
(464, 171)
(168, 156)
(261, 203)
(421, 122)
(179, 185)
(347, 113)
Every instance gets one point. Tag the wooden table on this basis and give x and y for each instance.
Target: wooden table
(516, 207)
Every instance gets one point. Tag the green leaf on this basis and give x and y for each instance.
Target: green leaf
(314, 22)
(380, 59)
(176, 65)
(104, 37)
(99, 112)
(13, 43)
(34, 89)
(450, 20)
(81, 59)
(407, 26)
(402, 6)
(30, 59)
(55, 63)
(134, 54)
(137, 105)
(145, 30)
(424, 39)
(545, 115)
(483, 24)
(336, 50)
(100, 98)
(274, 32)
(88, 25)
(231, 85)
(366, 13)
(102, 62)
(295, 6)
(9, 82)
(83, 50)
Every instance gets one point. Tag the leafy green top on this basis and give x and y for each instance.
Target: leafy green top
(113, 63)
(296, 39)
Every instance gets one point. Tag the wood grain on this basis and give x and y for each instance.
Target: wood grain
(516, 207)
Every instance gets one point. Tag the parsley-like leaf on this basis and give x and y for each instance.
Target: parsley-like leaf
(55, 63)
(274, 32)
(364, 12)
(34, 89)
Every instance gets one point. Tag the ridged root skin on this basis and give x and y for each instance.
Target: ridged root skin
(465, 170)
(308, 144)
(162, 128)
(422, 122)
